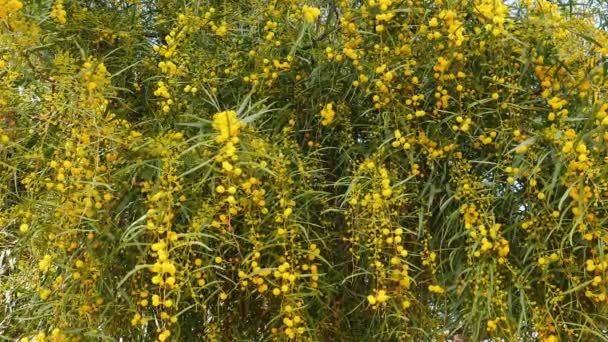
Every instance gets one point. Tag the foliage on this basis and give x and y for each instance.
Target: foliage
(309, 170)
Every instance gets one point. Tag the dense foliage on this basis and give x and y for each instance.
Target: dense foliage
(303, 169)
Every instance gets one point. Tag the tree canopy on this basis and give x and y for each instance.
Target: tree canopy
(341, 170)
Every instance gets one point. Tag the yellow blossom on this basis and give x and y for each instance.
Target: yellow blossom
(327, 113)
(226, 125)
(310, 13)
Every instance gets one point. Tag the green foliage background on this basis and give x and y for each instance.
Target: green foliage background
(308, 170)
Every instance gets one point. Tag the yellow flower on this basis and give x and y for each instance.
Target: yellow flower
(288, 322)
(58, 13)
(221, 30)
(382, 296)
(227, 166)
(287, 212)
(227, 125)
(436, 289)
(44, 294)
(156, 300)
(542, 261)
(310, 13)
(45, 263)
(24, 228)
(491, 327)
(550, 338)
(9, 7)
(327, 113)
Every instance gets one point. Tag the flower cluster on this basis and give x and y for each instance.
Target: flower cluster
(8, 7)
(58, 12)
(310, 13)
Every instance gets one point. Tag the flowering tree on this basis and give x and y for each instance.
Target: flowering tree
(306, 170)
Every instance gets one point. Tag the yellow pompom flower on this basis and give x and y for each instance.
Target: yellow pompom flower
(327, 113)
(9, 7)
(24, 227)
(310, 13)
(58, 13)
(227, 125)
(436, 289)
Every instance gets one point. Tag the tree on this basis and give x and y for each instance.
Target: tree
(308, 170)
